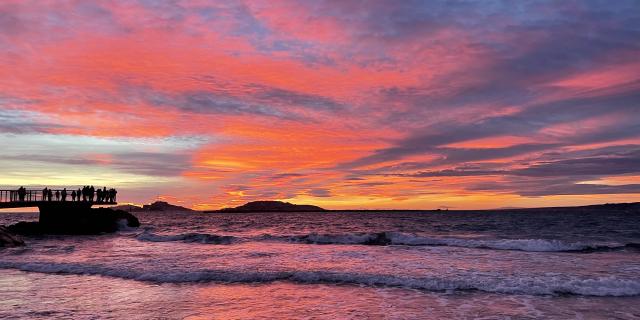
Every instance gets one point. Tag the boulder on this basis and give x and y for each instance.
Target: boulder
(7, 239)
(31, 228)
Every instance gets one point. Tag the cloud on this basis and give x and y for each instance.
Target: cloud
(53, 159)
(285, 176)
(526, 122)
(594, 162)
(141, 163)
(321, 193)
(584, 167)
(16, 121)
(152, 163)
(252, 99)
(290, 98)
(549, 187)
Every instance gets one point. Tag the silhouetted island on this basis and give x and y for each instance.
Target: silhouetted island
(163, 206)
(127, 207)
(156, 206)
(271, 206)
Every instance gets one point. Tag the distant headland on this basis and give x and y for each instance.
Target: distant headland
(155, 207)
(271, 206)
(281, 206)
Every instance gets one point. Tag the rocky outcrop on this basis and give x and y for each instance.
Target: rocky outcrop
(8, 239)
(91, 221)
(272, 206)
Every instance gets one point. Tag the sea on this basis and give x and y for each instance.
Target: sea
(333, 265)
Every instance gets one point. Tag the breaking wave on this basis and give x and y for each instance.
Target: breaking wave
(495, 283)
(397, 238)
(187, 237)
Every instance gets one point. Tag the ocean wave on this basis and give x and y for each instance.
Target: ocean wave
(350, 238)
(397, 238)
(187, 237)
(494, 283)
(58, 249)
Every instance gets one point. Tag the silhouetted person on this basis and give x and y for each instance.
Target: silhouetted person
(73, 196)
(113, 192)
(49, 194)
(57, 195)
(105, 194)
(21, 193)
(85, 193)
(44, 194)
(92, 192)
(64, 194)
(78, 194)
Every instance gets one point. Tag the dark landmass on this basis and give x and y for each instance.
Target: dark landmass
(156, 206)
(632, 207)
(127, 207)
(278, 206)
(163, 206)
(271, 206)
(92, 221)
(8, 239)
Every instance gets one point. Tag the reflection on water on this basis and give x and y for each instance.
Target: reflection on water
(43, 296)
(332, 266)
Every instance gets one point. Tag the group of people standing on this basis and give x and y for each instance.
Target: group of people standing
(19, 194)
(87, 193)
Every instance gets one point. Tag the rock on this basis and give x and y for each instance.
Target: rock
(7, 239)
(114, 218)
(31, 228)
(91, 221)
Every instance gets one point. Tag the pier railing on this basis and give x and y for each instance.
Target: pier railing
(32, 195)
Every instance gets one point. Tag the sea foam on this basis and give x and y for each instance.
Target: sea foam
(398, 238)
(187, 237)
(495, 283)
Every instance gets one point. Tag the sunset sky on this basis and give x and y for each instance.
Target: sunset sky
(342, 104)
